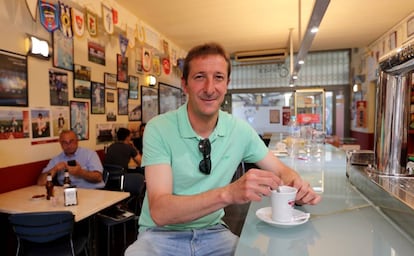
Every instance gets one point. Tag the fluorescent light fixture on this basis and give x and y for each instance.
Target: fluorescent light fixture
(151, 80)
(37, 47)
(301, 62)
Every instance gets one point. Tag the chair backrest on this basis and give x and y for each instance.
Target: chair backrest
(134, 183)
(113, 176)
(42, 227)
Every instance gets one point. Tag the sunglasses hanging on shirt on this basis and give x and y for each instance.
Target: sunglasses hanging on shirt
(205, 148)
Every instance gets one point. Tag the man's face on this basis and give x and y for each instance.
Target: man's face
(206, 85)
(69, 143)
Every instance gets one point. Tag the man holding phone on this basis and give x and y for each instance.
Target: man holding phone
(84, 166)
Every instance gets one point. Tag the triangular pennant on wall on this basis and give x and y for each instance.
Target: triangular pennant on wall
(32, 6)
(49, 15)
(107, 19)
(78, 22)
(65, 20)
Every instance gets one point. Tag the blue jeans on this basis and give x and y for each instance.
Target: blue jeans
(216, 240)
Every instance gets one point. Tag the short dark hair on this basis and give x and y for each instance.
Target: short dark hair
(122, 133)
(203, 50)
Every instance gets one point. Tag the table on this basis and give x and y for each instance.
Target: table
(344, 223)
(90, 201)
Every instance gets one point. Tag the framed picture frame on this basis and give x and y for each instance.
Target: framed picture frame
(58, 88)
(79, 119)
(110, 81)
(122, 68)
(97, 98)
(122, 101)
(134, 112)
(62, 50)
(82, 82)
(410, 27)
(13, 68)
(96, 53)
(149, 103)
(133, 87)
(169, 97)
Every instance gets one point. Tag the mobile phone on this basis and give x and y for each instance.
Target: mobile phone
(72, 163)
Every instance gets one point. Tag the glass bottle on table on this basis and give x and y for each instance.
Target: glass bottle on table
(49, 186)
(66, 181)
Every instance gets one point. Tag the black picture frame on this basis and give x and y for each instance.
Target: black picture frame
(13, 70)
(122, 68)
(79, 119)
(62, 50)
(149, 103)
(82, 82)
(133, 84)
(97, 98)
(169, 97)
(122, 101)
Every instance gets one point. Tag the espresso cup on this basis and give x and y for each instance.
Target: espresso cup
(283, 201)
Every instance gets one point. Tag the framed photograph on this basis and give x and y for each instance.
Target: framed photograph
(274, 116)
(133, 87)
(58, 88)
(138, 67)
(122, 68)
(393, 40)
(110, 97)
(110, 81)
(14, 124)
(122, 101)
(98, 98)
(410, 27)
(13, 88)
(40, 123)
(96, 53)
(82, 82)
(134, 112)
(170, 97)
(149, 103)
(60, 120)
(79, 119)
(62, 50)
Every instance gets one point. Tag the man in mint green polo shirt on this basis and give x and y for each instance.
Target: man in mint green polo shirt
(190, 157)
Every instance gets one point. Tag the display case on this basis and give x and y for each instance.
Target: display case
(310, 108)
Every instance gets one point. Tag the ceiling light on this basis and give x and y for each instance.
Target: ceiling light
(314, 30)
(301, 62)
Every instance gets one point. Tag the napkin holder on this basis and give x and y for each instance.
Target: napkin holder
(71, 196)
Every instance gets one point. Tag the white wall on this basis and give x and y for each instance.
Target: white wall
(15, 22)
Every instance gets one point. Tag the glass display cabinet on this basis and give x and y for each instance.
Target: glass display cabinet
(310, 108)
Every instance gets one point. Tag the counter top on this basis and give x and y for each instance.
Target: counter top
(343, 223)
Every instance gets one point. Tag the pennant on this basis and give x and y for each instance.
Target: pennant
(130, 34)
(49, 15)
(115, 16)
(78, 22)
(32, 6)
(140, 33)
(123, 43)
(107, 19)
(91, 23)
(65, 20)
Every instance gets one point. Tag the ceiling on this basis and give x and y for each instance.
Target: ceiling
(244, 25)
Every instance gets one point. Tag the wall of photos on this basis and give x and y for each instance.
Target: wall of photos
(91, 83)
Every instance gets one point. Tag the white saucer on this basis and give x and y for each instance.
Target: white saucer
(265, 214)
(279, 153)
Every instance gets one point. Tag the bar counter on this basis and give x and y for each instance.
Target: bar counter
(345, 222)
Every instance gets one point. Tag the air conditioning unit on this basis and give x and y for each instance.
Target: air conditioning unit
(278, 55)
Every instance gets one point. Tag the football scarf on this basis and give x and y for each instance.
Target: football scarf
(78, 22)
(107, 19)
(65, 20)
(49, 15)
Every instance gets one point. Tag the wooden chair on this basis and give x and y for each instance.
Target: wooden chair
(47, 233)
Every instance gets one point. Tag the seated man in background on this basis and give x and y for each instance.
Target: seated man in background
(86, 170)
(138, 141)
(122, 151)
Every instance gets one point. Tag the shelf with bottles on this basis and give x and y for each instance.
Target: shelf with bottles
(309, 107)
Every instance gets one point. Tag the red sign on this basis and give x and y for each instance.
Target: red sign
(308, 118)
